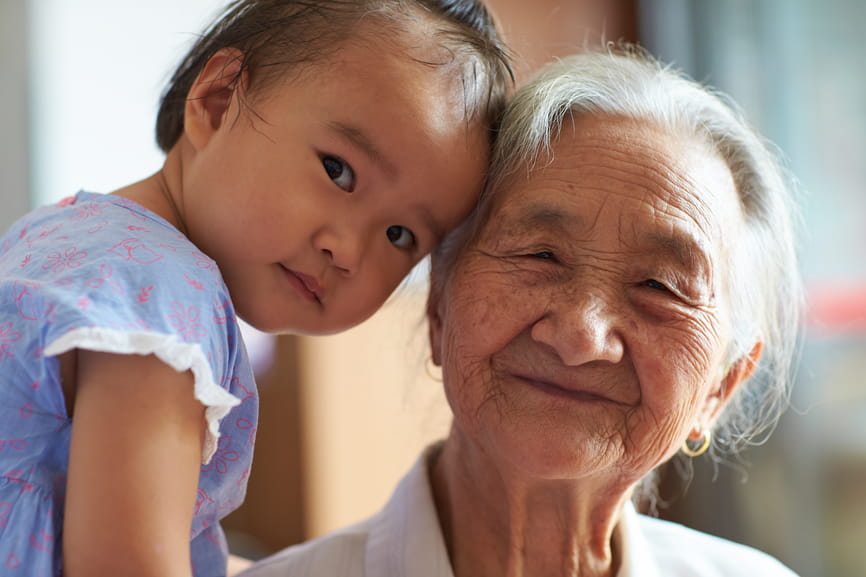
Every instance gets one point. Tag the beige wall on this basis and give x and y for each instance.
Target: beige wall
(14, 140)
(540, 30)
(368, 408)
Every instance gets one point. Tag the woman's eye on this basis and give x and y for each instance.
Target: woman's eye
(400, 236)
(543, 255)
(340, 172)
(655, 285)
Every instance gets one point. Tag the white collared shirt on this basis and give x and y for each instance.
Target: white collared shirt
(404, 540)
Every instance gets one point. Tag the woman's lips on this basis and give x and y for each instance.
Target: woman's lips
(577, 395)
(569, 391)
(305, 285)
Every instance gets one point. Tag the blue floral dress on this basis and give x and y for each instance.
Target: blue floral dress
(99, 272)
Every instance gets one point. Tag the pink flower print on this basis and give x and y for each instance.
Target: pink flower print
(248, 394)
(43, 234)
(247, 425)
(193, 283)
(243, 478)
(30, 304)
(203, 261)
(208, 534)
(42, 540)
(87, 210)
(46, 232)
(221, 320)
(20, 477)
(105, 272)
(26, 411)
(83, 303)
(223, 456)
(135, 250)
(24, 294)
(134, 228)
(16, 444)
(144, 294)
(12, 561)
(98, 227)
(201, 500)
(26, 260)
(7, 337)
(60, 261)
(185, 322)
(5, 508)
(7, 334)
(66, 201)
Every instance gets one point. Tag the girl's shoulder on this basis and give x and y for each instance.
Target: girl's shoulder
(99, 239)
(100, 262)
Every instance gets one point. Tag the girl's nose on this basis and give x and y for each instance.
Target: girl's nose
(581, 329)
(343, 249)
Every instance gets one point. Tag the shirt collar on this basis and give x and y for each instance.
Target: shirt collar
(635, 554)
(405, 538)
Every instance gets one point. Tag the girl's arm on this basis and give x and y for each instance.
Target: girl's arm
(135, 455)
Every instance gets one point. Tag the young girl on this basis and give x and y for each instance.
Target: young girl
(315, 152)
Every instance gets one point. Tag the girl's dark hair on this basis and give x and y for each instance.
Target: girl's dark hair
(274, 36)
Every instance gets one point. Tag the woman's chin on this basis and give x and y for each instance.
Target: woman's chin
(549, 455)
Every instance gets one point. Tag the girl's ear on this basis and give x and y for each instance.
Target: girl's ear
(211, 94)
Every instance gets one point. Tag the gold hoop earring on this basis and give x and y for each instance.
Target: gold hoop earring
(706, 439)
(429, 369)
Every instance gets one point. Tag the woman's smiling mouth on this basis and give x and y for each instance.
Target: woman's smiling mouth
(571, 391)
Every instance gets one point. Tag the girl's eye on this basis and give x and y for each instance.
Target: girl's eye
(400, 236)
(655, 285)
(340, 172)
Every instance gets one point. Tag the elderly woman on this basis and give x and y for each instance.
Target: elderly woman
(627, 290)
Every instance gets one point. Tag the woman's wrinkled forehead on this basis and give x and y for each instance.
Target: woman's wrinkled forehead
(666, 191)
(617, 156)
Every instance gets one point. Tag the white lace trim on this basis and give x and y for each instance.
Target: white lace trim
(178, 355)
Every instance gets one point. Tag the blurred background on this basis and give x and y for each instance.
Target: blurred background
(343, 417)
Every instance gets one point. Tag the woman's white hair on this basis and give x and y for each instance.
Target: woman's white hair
(765, 285)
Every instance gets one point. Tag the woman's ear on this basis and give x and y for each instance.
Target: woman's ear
(434, 324)
(211, 94)
(737, 374)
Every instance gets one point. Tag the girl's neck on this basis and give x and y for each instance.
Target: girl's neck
(160, 193)
(497, 524)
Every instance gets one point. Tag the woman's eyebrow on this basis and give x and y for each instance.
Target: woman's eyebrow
(547, 217)
(683, 248)
(361, 140)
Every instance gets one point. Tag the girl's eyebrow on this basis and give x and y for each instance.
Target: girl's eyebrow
(362, 141)
(358, 138)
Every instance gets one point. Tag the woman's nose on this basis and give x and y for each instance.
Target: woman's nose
(581, 329)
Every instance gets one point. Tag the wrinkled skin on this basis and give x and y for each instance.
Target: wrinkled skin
(582, 334)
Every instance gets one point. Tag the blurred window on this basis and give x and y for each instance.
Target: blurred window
(797, 68)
